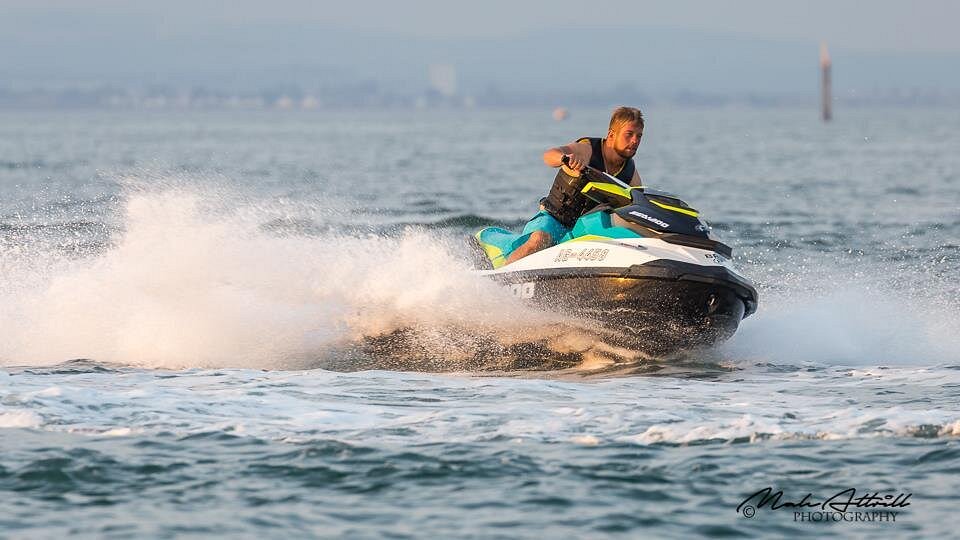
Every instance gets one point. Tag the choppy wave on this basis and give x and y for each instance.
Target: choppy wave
(754, 405)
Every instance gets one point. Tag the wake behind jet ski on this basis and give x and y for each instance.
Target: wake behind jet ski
(642, 264)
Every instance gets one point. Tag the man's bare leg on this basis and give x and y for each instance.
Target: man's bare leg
(538, 240)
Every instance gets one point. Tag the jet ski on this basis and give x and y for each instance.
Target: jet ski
(642, 264)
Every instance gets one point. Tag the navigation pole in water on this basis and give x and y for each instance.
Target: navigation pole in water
(825, 100)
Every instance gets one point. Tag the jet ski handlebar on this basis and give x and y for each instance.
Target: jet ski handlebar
(597, 174)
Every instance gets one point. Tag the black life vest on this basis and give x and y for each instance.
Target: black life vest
(565, 202)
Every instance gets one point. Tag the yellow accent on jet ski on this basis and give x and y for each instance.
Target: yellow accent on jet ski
(604, 188)
(494, 253)
(688, 211)
(589, 238)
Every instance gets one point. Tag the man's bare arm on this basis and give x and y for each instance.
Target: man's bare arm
(580, 153)
(636, 181)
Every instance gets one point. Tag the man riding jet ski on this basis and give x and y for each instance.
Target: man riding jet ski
(564, 204)
(640, 262)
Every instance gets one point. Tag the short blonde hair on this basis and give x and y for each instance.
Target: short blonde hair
(623, 115)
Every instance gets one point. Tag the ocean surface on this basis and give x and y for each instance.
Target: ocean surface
(262, 324)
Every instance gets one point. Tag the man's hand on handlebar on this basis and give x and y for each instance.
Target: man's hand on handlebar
(577, 159)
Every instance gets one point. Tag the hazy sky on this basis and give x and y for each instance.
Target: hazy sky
(876, 25)
(763, 46)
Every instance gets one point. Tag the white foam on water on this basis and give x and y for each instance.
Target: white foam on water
(20, 418)
(397, 408)
(191, 284)
(832, 317)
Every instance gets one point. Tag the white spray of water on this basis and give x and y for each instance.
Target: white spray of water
(832, 317)
(187, 285)
(182, 287)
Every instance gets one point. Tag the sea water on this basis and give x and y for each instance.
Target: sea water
(262, 323)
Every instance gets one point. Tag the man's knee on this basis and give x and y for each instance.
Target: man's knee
(540, 240)
(535, 242)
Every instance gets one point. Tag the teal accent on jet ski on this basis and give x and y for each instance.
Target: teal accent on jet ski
(499, 243)
(597, 224)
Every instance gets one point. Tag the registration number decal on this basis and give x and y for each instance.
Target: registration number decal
(588, 254)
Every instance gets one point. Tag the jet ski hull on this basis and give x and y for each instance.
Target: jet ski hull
(658, 308)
